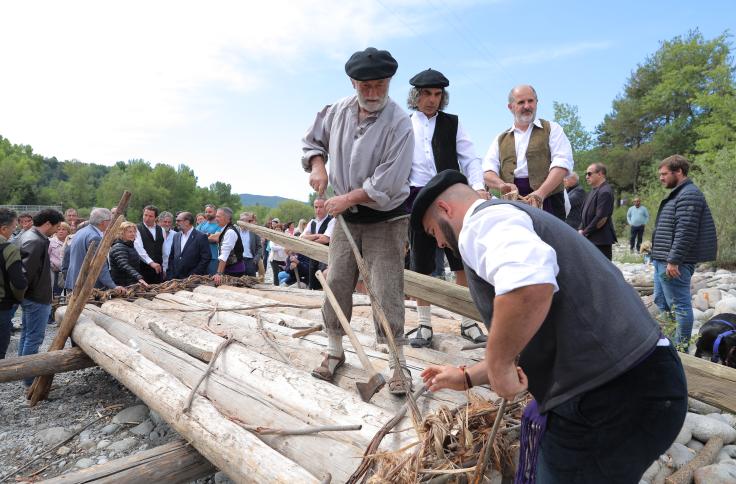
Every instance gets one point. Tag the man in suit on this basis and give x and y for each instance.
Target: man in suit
(190, 250)
(596, 224)
(251, 244)
(576, 195)
(149, 243)
(99, 221)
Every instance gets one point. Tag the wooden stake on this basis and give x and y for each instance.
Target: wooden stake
(31, 366)
(82, 290)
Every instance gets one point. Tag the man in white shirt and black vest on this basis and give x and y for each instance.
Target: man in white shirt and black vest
(532, 157)
(440, 143)
(149, 243)
(609, 390)
(230, 248)
(319, 230)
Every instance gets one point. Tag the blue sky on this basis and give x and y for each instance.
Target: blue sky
(229, 89)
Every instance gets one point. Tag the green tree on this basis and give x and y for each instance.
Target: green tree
(292, 211)
(567, 116)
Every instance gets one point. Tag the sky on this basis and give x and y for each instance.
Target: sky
(228, 88)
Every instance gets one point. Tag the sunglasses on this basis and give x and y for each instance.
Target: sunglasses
(590, 173)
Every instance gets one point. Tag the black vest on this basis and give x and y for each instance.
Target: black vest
(322, 227)
(154, 248)
(597, 327)
(444, 142)
(236, 255)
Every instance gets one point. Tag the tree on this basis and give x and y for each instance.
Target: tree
(292, 211)
(567, 117)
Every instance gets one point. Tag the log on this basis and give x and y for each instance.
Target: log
(705, 456)
(83, 287)
(173, 463)
(31, 366)
(710, 382)
(241, 455)
(237, 400)
(292, 390)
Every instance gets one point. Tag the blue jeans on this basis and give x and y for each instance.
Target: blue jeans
(6, 328)
(285, 278)
(672, 295)
(35, 317)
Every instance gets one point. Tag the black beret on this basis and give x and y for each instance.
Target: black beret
(429, 78)
(438, 184)
(371, 64)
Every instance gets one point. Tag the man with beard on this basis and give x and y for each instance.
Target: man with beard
(209, 227)
(608, 388)
(532, 157)
(369, 140)
(684, 234)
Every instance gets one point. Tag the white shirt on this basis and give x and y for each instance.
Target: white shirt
(245, 238)
(500, 245)
(228, 244)
(166, 249)
(138, 244)
(559, 147)
(423, 167)
(278, 253)
(184, 239)
(318, 224)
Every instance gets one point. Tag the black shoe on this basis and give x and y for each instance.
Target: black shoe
(418, 341)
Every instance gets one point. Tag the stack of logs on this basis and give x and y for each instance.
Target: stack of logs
(253, 412)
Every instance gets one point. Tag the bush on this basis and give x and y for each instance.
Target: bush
(717, 180)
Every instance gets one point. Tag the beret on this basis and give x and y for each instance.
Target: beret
(429, 78)
(371, 64)
(438, 184)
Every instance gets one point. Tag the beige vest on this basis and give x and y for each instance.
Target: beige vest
(538, 156)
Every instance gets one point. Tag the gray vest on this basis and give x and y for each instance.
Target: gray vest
(597, 327)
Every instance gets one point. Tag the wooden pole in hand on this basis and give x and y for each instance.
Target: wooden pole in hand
(83, 287)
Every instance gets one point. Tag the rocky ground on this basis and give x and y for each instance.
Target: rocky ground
(90, 419)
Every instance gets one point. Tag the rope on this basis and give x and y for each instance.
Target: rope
(206, 373)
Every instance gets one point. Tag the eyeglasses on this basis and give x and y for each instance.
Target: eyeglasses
(590, 173)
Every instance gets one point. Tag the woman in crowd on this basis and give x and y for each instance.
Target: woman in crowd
(200, 218)
(278, 255)
(56, 254)
(297, 268)
(300, 228)
(124, 259)
(290, 228)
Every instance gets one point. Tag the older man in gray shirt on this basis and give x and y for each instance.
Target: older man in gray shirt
(369, 141)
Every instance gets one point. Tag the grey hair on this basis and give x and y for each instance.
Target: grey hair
(165, 215)
(413, 97)
(99, 215)
(512, 99)
(227, 211)
(572, 176)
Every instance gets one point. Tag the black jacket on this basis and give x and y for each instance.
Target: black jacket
(194, 259)
(124, 263)
(34, 251)
(684, 232)
(577, 198)
(599, 205)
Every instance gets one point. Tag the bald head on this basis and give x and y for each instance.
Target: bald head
(444, 217)
(521, 89)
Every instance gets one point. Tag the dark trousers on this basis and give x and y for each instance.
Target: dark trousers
(6, 329)
(149, 274)
(554, 204)
(637, 234)
(613, 433)
(314, 266)
(251, 266)
(607, 250)
(276, 267)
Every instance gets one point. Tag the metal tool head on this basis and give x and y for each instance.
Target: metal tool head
(371, 387)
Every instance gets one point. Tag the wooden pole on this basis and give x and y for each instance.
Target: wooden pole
(82, 291)
(31, 366)
(173, 462)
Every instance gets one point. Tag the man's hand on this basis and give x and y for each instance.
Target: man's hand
(484, 194)
(673, 270)
(155, 266)
(311, 237)
(337, 205)
(218, 279)
(438, 377)
(508, 188)
(507, 381)
(119, 290)
(318, 175)
(143, 283)
(581, 232)
(535, 199)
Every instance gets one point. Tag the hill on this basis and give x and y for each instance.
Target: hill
(271, 201)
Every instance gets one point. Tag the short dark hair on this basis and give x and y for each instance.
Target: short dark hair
(7, 217)
(48, 215)
(676, 163)
(25, 215)
(600, 168)
(188, 216)
(152, 208)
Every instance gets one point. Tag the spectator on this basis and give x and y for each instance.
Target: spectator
(166, 221)
(298, 267)
(190, 250)
(637, 217)
(150, 246)
(56, 255)
(318, 230)
(576, 195)
(684, 234)
(36, 304)
(13, 282)
(125, 262)
(25, 221)
(251, 244)
(290, 228)
(596, 224)
(209, 227)
(300, 227)
(200, 218)
(72, 219)
(230, 247)
(278, 255)
(99, 221)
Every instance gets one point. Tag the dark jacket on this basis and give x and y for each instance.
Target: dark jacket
(34, 251)
(77, 250)
(576, 195)
(684, 232)
(194, 259)
(13, 282)
(599, 205)
(124, 263)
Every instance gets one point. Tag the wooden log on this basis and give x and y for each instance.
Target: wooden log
(82, 290)
(294, 391)
(237, 452)
(705, 456)
(31, 366)
(710, 382)
(237, 400)
(173, 463)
